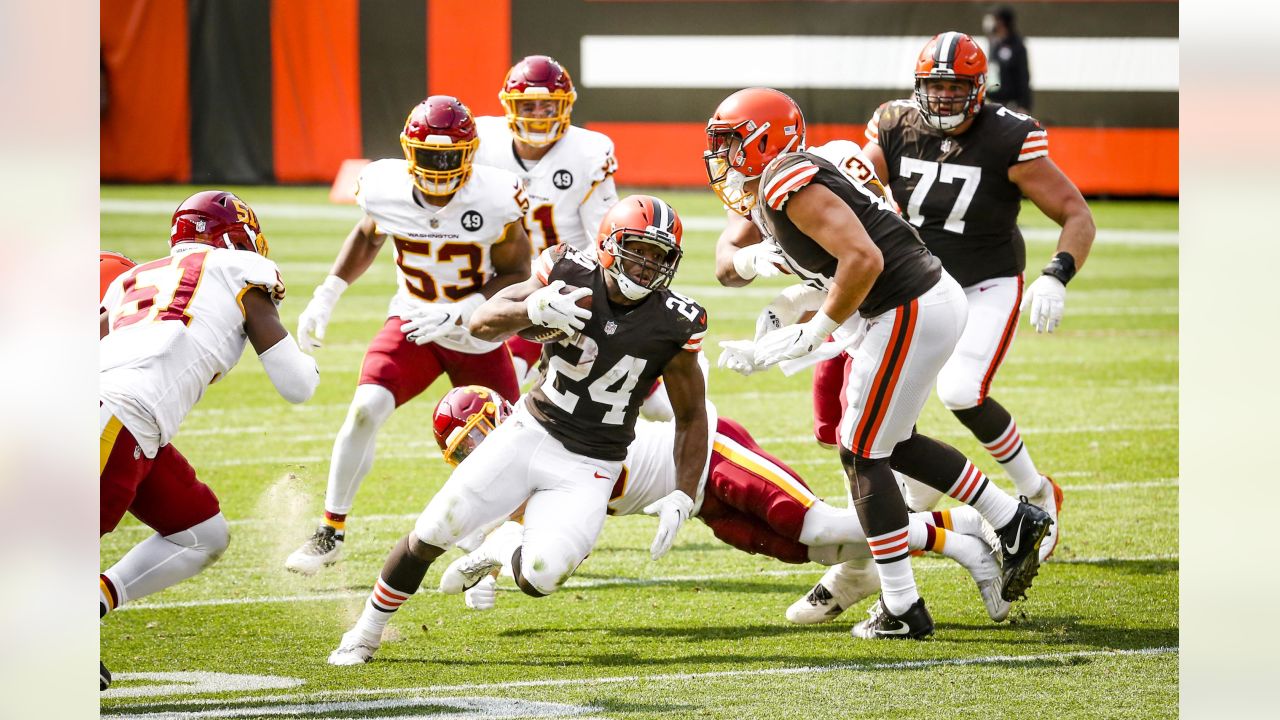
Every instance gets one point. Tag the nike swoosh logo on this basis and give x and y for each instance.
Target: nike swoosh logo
(902, 629)
(602, 477)
(1013, 549)
(984, 289)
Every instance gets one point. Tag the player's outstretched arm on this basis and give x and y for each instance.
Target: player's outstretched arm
(686, 386)
(742, 254)
(505, 313)
(510, 259)
(358, 252)
(293, 373)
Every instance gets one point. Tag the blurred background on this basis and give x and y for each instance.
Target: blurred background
(283, 91)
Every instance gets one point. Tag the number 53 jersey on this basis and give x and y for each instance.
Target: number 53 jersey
(175, 325)
(442, 254)
(594, 382)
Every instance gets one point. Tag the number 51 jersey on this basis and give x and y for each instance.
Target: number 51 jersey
(175, 325)
(594, 382)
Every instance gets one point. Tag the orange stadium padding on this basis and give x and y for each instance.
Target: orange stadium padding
(469, 51)
(1101, 161)
(145, 132)
(315, 88)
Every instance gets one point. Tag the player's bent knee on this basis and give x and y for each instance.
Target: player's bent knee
(371, 406)
(424, 551)
(958, 393)
(536, 575)
(211, 537)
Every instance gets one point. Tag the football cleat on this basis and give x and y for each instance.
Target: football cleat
(986, 575)
(1049, 499)
(914, 624)
(463, 573)
(354, 649)
(1020, 543)
(322, 549)
(104, 677)
(842, 587)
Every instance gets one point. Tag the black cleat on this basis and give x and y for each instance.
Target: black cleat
(1020, 548)
(104, 677)
(914, 624)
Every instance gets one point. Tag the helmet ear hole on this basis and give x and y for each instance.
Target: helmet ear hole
(762, 144)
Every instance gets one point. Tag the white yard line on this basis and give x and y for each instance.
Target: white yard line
(629, 679)
(928, 564)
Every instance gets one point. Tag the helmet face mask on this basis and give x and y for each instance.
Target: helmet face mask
(220, 219)
(950, 81)
(639, 245)
(439, 142)
(464, 417)
(538, 98)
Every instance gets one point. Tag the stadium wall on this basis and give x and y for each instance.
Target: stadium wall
(246, 91)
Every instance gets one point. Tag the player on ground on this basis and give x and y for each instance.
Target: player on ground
(567, 170)
(562, 450)
(459, 237)
(749, 499)
(169, 328)
(844, 237)
(959, 170)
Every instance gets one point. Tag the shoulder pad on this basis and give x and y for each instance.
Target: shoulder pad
(785, 175)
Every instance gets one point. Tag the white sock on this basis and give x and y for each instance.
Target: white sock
(973, 488)
(827, 525)
(353, 448)
(378, 609)
(963, 519)
(161, 561)
(1012, 454)
(893, 563)
(502, 542)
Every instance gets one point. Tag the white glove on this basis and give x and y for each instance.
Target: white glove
(738, 356)
(1047, 297)
(547, 307)
(763, 259)
(483, 595)
(315, 317)
(672, 511)
(429, 323)
(793, 341)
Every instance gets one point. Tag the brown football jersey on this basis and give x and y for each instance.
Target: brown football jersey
(955, 188)
(909, 269)
(593, 383)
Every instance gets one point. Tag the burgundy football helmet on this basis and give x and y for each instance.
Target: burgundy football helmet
(220, 219)
(463, 417)
(440, 142)
(538, 98)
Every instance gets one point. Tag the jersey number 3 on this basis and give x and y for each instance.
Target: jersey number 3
(930, 172)
(172, 280)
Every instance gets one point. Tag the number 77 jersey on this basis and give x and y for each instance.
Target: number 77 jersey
(175, 325)
(590, 393)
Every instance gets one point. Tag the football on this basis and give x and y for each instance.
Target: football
(542, 334)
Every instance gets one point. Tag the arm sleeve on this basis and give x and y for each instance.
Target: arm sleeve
(293, 373)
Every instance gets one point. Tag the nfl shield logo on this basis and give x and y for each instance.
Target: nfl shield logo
(200, 226)
(610, 327)
(435, 223)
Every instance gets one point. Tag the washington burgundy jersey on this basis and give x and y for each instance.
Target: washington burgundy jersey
(593, 383)
(956, 188)
(909, 269)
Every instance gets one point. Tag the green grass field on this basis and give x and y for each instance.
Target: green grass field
(700, 633)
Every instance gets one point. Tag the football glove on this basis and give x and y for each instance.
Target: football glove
(672, 511)
(315, 317)
(763, 259)
(738, 356)
(1047, 297)
(429, 323)
(793, 341)
(547, 307)
(483, 595)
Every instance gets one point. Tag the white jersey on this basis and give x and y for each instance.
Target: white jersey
(442, 254)
(649, 472)
(176, 325)
(570, 188)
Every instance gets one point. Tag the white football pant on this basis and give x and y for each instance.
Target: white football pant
(993, 321)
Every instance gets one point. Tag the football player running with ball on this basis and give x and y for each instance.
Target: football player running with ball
(169, 328)
(959, 170)
(844, 237)
(561, 453)
(459, 237)
(567, 170)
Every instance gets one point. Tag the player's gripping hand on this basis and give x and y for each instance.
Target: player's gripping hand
(1047, 297)
(315, 317)
(763, 259)
(738, 356)
(672, 511)
(483, 595)
(793, 341)
(547, 307)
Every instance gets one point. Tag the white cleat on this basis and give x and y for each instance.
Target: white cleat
(986, 575)
(1048, 499)
(842, 587)
(468, 570)
(354, 649)
(321, 550)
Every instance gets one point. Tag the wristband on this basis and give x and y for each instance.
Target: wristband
(468, 305)
(823, 324)
(333, 286)
(1062, 267)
